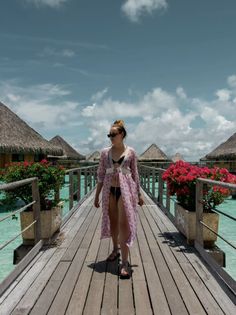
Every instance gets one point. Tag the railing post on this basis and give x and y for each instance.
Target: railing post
(94, 176)
(85, 181)
(36, 211)
(71, 190)
(160, 187)
(148, 172)
(199, 213)
(153, 183)
(90, 179)
(167, 200)
(79, 185)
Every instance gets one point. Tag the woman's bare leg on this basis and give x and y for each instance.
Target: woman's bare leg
(123, 231)
(114, 220)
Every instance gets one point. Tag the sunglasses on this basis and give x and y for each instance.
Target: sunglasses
(112, 135)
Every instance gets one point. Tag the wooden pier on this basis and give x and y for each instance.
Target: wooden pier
(72, 277)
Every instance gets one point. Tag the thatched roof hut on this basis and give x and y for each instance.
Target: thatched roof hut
(69, 153)
(153, 153)
(16, 136)
(177, 157)
(95, 156)
(225, 151)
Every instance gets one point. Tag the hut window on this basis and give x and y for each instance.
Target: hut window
(18, 157)
(39, 157)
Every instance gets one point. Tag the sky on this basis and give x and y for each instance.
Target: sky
(166, 67)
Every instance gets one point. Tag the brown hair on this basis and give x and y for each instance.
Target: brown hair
(120, 125)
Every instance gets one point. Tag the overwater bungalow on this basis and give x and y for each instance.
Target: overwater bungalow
(20, 142)
(70, 155)
(94, 157)
(154, 156)
(177, 157)
(223, 156)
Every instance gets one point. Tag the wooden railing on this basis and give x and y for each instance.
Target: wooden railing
(89, 176)
(36, 222)
(80, 179)
(149, 176)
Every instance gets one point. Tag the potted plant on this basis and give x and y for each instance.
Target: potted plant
(50, 180)
(181, 181)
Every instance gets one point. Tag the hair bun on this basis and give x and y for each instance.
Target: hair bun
(119, 123)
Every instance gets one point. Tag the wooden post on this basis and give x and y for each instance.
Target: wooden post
(90, 179)
(148, 172)
(160, 188)
(36, 211)
(199, 213)
(71, 189)
(167, 200)
(153, 183)
(142, 176)
(85, 181)
(79, 184)
(94, 176)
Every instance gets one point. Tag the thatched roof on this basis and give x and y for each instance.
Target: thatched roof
(16, 136)
(153, 153)
(177, 157)
(95, 156)
(68, 151)
(225, 151)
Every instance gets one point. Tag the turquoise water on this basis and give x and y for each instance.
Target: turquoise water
(10, 228)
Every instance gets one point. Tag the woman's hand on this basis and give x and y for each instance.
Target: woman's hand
(140, 200)
(96, 202)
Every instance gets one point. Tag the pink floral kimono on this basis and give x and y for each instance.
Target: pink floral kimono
(129, 186)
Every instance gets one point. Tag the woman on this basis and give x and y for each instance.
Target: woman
(118, 176)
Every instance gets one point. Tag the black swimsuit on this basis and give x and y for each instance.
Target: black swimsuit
(115, 191)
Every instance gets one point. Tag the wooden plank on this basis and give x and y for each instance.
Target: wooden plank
(18, 292)
(205, 293)
(62, 298)
(140, 289)
(157, 296)
(174, 299)
(45, 300)
(142, 302)
(126, 302)
(78, 298)
(20, 267)
(109, 304)
(34, 291)
(188, 295)
(70, 237)
(89, 224)
(95, 293)
(20, 277)
(216, 292)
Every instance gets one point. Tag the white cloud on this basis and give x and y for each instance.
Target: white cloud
(42, 105)
(174, 121)
(232, 81)
(161, 117)
(134, 9)
(99, 95)
(181, 93)
(51, 52)
(223, 94)
(50, 3)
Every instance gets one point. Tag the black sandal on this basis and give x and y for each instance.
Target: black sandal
(114, 255)
(126, 273)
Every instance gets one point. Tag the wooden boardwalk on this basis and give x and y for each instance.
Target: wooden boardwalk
(74, 278)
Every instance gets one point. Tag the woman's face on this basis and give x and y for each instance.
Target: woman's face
(116, 136)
